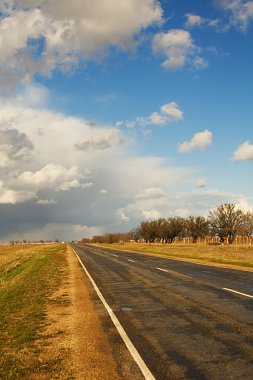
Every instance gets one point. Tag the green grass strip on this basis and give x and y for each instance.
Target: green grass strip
(24, 288)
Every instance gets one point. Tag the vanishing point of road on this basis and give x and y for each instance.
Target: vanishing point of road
(185, 320)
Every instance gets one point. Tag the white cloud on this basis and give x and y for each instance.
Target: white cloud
(244, 152)
(193, 20)
(16, 196)
(103, 191)
(104, 139)
(201, 182)
(172, 111)
(156, 119)
(52, 176)
(39, 36)
(168, 113)
(240, 12)
(177, 46)
(200, 140)
(150, 192)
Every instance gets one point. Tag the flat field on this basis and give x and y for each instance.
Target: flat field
(230, 255)
(29, 275)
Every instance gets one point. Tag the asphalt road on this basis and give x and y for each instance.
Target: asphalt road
(185, 319)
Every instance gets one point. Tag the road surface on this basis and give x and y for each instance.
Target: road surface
(187, 321)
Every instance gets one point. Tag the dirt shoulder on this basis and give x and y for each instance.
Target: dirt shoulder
(75, 333)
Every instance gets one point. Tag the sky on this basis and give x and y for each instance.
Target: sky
(117, 111)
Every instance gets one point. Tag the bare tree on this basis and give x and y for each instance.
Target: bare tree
(197, 227)
(171, 228)
(247, 225)
(226, 221)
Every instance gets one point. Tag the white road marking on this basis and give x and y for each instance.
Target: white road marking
(99, 250)
(235, 291)
(174, 273)
(131, 261)
(164, 270)
(135, 354)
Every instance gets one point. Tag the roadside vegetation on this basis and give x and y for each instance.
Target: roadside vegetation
(224, 237)
(29, 274)
(223, 225)
(240, 255)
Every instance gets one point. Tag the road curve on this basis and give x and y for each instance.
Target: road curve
(187, 321)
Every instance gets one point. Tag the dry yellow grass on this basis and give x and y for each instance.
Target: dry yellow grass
(236, 255)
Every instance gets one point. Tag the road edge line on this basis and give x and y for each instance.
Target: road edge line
(236, 292)
(131, 348)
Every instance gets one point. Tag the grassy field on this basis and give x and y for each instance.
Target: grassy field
(235, 255)
(28, 276)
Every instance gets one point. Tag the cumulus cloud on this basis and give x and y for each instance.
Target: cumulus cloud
(200, 140)
(240, 12)
(41, 36)
(244, 152)
(53, 176)
(177, 46)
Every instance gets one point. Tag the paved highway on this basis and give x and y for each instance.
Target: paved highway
(187, 321)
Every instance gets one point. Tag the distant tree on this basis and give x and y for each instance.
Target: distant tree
(197, 227)
(247, 225)
(226, 221)
(134, 234)
(97, 239)
(149, 230)
(171, 228)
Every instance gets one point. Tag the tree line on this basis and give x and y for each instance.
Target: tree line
(226, 222)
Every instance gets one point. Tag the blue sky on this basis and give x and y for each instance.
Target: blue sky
(113, 112)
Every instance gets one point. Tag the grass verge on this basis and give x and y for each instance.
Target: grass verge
(232, 255)
(28, 276)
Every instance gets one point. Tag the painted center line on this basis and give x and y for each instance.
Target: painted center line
(235, 291)
(164, 270)
(132, 261)
(115, 255)
(174, 273)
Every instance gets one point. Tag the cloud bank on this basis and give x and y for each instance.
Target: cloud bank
(42, 36)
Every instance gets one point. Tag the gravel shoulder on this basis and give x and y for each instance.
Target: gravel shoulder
(75, 331)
